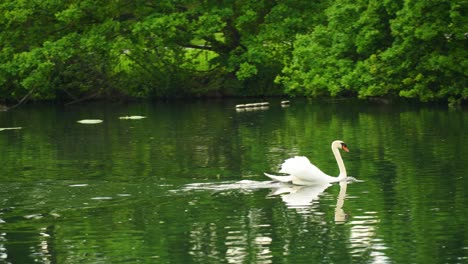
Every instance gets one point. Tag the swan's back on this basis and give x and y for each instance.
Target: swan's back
(302, 170)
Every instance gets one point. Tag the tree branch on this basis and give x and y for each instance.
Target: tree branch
(24, 99)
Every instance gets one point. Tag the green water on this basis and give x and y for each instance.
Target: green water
(186, 184)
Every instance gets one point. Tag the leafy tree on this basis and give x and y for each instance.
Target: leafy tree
(242, 39)
(322, 57)
(51, 46)
(73, 50)
(405, 48)
(67, 49)
(431, 48)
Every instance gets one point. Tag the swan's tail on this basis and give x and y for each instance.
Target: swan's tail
(279, 178)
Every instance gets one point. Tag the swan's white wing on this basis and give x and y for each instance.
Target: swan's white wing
(300, 167)
(279, 178)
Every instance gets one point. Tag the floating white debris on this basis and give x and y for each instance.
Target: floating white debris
(78, 185)
(33, 216)
(102, 198)
(132, 117)
(90, 121)
(9, 128)
(252, 106)
(285, 102)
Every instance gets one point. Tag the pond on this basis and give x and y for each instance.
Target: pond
(185, 184)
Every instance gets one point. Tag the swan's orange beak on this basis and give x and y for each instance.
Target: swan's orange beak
(345, 148)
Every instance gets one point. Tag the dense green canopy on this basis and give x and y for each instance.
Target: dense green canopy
(71, 50)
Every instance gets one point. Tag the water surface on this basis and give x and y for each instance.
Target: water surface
(186, 184)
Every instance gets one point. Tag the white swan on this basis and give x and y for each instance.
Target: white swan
(302, 172)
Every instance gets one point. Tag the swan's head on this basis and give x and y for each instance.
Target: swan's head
(338, 144)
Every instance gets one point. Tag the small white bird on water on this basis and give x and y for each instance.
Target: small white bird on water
(302, 172)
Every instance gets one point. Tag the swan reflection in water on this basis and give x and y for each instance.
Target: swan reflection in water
(294, 196)
(340, 215)
(297, 196)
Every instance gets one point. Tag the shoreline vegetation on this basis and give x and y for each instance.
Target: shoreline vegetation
(71, 52)
(241, 103)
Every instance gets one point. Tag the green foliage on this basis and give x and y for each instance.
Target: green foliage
(73, 49)
(375, 48)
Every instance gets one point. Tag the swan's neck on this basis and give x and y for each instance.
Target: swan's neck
(341, 165)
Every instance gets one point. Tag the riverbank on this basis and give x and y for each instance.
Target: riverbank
(242, 100)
